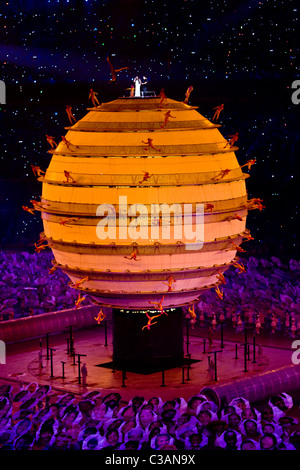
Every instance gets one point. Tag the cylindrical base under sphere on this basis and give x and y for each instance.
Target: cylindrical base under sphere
(135, 348)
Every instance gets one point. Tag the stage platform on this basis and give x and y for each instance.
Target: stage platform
(185, 380)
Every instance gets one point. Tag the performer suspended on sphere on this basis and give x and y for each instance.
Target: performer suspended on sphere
(93, 98)
(71, 117)
(233, 138)
(255, 203)
(217, 112)
(79, 300)
(51, 141)
(31, 210)
(221, 277)
(219, 293)
(248, 237)
(52, 270)
(187, 94)
(37, 170)
(234, 217)
(39, 248)
(240, 267)
(114, 71)
(236, 247)
(150, 321)
(192, 315)
(158, 306)
(100, 317)
(249, 163)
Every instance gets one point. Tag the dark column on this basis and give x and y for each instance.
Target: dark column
(159, 347)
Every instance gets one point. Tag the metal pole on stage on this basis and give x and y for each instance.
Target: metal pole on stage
(188, 368)
(123, 378)
(78, 362)
(245, 356)
(215, 354)
(187, 337)
(63, 369)
(51, 358)
(163, 378)
(222, 335)
(236, 351)
(47, 345)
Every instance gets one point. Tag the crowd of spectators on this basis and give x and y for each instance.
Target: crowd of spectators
(266, 296)
(27, 288)
(35, 417)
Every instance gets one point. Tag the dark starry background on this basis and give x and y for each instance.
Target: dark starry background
(242, 54)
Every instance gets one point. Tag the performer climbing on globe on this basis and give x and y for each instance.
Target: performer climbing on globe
(209, 207)
(234, 217)
(150, 145)
(70, 178)
(145, 177)
(68, 143)
(68, 220)
(133, 255)
(162, 96)
(167, 116)
(170, 283)
(80, 283)
(221, 175)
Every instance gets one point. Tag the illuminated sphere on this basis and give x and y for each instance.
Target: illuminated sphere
(108, 157)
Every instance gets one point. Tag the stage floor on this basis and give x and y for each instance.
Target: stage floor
(22, 364)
